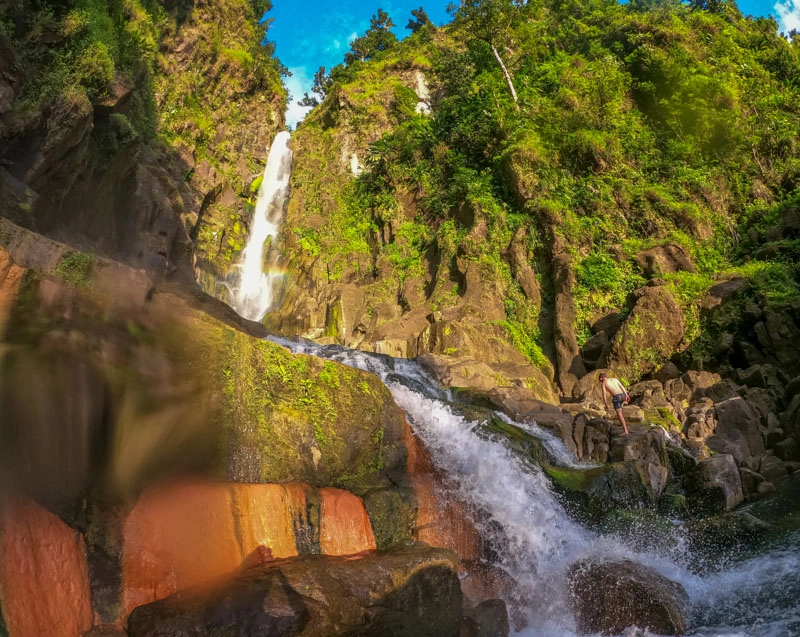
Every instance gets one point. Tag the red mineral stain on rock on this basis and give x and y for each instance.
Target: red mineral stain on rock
(418, 458)
(442, 520)
(344, 528)
(10, 279)
(43, 573)
(175, 537)
(264, 514)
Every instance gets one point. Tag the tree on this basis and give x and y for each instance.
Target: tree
(377, 38)
(489, 21)
(417, 20)
(322, 84)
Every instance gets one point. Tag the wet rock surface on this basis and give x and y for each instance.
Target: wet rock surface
(412, 589)
(611, 596)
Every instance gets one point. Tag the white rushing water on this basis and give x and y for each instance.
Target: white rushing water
(254, 291)
(538, 541)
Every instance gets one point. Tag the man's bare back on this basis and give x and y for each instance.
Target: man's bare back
(619, 396)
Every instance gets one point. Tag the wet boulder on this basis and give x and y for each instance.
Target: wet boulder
(727, 531)
(593, 493)
(611, 596)
(487, 619)
(409, 591)
(716, 486)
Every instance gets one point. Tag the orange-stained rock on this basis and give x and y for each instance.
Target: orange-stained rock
(418, 459)
(264, 513)
(262, 555)
(177, 536)
(10, 279)
(345, 527)
(442, 520)
(43, 574)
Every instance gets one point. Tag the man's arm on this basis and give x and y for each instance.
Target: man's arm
(605, 401)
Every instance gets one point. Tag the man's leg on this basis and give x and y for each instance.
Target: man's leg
(622, 419)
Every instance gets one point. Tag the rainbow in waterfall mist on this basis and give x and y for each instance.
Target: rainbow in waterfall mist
(259, 277)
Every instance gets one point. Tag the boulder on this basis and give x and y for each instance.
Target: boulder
(611, 596)
(668, 371)
(595, 350)
(225, 400)
(598, 490)
(717, 484)
(737, 430)
(393, 514)
(764, 376)
(701, 420)
(415, 590)
(653, 331)
(788, 450)
(44, 578)
(726, 531)
(487, 619)
(724, 291)
(463, 371)
(648, 394)
(751, 482)
(772, 468)
(609, 324)
(664, 259)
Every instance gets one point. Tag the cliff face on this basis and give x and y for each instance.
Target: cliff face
(135, 130)
(515, 218)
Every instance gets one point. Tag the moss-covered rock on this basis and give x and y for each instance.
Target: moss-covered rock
(393, 513)
(595, 492)
(185, 382)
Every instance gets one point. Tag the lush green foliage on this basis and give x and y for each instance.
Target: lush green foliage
(634, 125)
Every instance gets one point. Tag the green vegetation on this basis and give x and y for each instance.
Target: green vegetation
(75, 268)
(614, 128)
(88, 46)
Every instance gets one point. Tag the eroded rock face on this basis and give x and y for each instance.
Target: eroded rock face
(43, 573)
(415, 587)
(611, 596)
(264, 414)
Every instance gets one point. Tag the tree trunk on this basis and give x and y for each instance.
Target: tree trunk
(507, 75)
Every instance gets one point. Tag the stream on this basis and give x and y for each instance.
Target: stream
(739, 594)
(536, 540)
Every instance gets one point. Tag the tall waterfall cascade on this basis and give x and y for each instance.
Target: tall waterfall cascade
(259, 279)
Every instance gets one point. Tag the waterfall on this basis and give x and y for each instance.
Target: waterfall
(254, 293)
(539, 541)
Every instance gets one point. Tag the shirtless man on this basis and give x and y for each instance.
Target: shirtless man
(619, 396)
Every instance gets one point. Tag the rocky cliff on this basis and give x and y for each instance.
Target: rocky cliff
(136, 130)
(441, 206)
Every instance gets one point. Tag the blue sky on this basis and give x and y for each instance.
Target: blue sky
(318, 33)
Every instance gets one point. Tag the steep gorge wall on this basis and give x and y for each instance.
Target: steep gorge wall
(522, 230)
(148, 156)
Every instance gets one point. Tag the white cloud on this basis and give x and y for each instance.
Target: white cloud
(354, 35)
(788, 15)
(298, 84)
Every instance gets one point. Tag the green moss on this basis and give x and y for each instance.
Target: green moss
(572, 479)
(75, 268)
